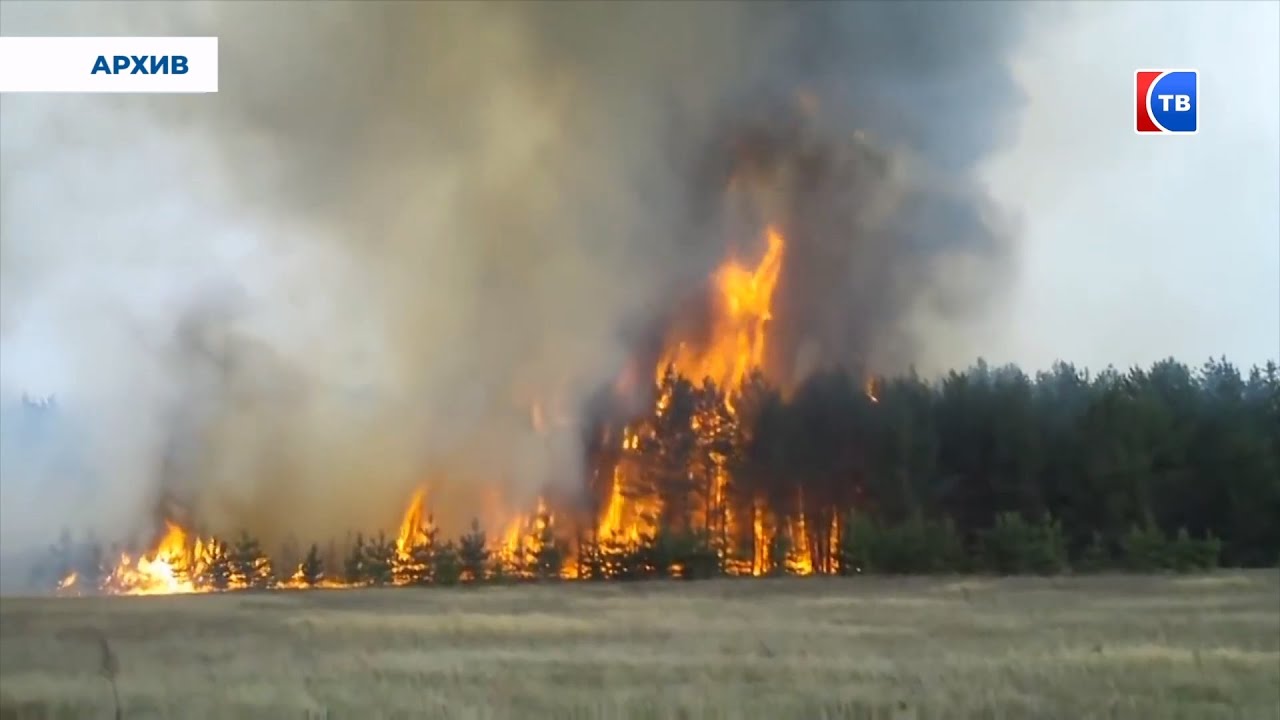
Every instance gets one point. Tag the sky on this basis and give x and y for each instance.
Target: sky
(1135, 247)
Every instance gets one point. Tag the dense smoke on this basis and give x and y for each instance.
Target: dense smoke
(398, 227)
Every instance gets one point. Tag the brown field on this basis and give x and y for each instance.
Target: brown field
(1148, 648)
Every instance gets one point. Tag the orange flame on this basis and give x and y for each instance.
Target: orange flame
(737, 343)
(800, 560)
(833, 545)
(414, 524)
(735, 347)
(163, 571)
(627, 519)
(760, 540)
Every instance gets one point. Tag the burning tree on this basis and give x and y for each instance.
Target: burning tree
(215, 566)
(249, 565)
(310, 572)
(550, 551)
(421, 567)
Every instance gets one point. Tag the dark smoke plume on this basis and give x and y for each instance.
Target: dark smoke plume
(399, 226)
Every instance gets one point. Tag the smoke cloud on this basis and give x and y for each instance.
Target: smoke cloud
(398, 227)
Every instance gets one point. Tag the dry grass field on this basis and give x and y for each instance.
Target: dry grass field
(1146, 648)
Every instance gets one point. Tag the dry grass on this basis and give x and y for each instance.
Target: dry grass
(912, 648)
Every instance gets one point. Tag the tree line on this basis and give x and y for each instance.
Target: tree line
(987, 469)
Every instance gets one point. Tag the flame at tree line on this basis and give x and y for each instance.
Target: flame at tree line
(666, 475)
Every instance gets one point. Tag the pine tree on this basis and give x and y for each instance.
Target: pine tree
(423, 565)
(411, 560)
(667, 453)
(250, 566)
(515, 562)
(548, 558)
(311, 570)
(379, 560)
(716, 430)
(184, 565)
(354, 566)
(215, 566)
(473, 554)
(416, 564)
(446, 564)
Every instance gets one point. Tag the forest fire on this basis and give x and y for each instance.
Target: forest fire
(586, 349)
(736, 347)
(668, 477)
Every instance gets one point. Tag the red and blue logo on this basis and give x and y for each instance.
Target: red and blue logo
(1168, 102)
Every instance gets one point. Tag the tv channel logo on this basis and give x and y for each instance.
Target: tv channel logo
(1167, 102)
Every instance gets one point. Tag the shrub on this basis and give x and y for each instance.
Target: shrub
(473, 553)
(698, 556)
(1188, 554)
(500, 571)
(1015, 546)
(668, 551)
(1146, 549)
(858, 545)
(945, 549)
(917, 546)
(1096, 557)
(1210, 554)
(620, 558)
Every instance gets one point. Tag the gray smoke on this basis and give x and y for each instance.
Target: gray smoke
(398, 227)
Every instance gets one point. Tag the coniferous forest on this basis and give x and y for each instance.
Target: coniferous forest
(992, 469)
(985, 470)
